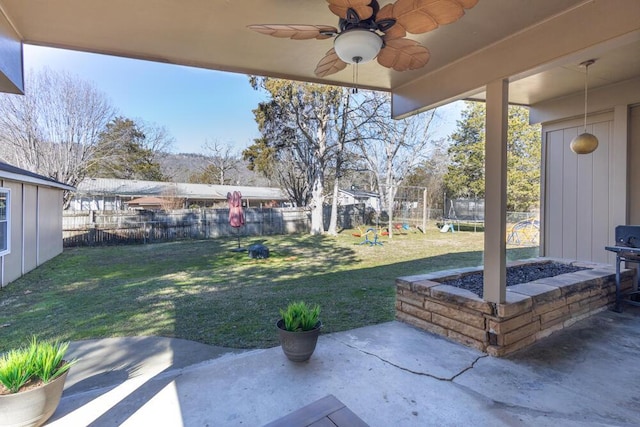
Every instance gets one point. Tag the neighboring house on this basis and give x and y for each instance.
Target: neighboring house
(30, 221)
(354, 197)
(117, 194)
(150, 203)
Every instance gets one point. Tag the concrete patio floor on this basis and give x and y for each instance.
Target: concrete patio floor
(389, 375)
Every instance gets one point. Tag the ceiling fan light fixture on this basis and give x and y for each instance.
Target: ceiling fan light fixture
(357, 46)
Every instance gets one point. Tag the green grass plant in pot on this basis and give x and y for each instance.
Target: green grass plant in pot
(31, 383)
(298, 330)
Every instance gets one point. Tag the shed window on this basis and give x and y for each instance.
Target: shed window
(5, 218)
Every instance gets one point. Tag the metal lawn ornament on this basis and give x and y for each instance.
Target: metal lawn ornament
(236, 214)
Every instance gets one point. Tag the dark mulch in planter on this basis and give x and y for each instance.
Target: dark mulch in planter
(515, 275)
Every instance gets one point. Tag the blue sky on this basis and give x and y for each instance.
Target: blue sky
(194, 105)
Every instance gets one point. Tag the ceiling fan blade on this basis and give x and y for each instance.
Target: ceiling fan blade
(421, 16)
(403, 55)
(395, 31)
(467, 4)
(361, 7)
(296, 32)
(330, 64)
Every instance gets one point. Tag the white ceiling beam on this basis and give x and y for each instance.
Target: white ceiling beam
(593, 24)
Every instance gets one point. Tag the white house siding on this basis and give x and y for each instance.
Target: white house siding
(578, 206)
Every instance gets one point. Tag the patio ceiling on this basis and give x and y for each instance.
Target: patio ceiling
(496, 39)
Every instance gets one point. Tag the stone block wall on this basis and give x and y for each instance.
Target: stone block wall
(532, 311)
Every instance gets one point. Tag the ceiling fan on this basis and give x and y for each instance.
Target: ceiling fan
(368, 31)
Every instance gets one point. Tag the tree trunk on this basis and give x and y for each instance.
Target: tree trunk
(333, 222)
(390, 211)
(317, 222)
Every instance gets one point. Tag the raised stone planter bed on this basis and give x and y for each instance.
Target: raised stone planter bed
(532, 310)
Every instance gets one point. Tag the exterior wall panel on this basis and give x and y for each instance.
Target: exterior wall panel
(553, 216)
(49, 224)
(603, 189)
(569, 182)
(578, 219)
(30, 227)
(584, 205)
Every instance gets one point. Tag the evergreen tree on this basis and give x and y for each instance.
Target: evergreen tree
(465, 174)
(123, 153)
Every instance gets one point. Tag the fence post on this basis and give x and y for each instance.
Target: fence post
(425, 212)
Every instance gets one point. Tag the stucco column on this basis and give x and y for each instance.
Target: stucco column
(495, 192)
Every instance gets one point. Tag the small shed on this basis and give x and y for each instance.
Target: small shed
(30, 221)
(354, 196)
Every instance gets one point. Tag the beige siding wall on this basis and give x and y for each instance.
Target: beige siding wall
(634, 166)
(30, 229)
(49, 223)
(36, 228)
(578, 210)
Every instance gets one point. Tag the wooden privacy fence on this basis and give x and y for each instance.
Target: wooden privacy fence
(88, 228)
(91, 228)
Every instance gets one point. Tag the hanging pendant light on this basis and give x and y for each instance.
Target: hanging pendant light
(585, 143)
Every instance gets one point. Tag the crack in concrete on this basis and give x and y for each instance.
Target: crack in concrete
(411, 371)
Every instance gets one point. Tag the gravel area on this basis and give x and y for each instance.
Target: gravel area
(515, 275)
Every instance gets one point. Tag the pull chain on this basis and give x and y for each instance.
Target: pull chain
(356, 61)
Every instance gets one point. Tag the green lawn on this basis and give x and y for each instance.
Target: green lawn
(201, 291)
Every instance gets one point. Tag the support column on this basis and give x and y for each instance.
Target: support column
(495, 192)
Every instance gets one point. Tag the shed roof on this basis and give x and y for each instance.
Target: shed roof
(139, 188)
(14, 173)
(360, 193)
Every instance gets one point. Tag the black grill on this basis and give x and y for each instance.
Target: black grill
(627, 249)
(628, 236)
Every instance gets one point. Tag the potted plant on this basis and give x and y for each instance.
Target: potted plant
(298, 330)
(31, 382)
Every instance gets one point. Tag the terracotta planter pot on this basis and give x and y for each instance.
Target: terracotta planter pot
(31, 408)
(298, 346)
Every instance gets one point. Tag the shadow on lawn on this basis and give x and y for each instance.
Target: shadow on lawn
(242, 312)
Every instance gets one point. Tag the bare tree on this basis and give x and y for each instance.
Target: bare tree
(348, 125)
(157, 139)
(54, 128)
(170, 199)
(222, 160)
(391, 149)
